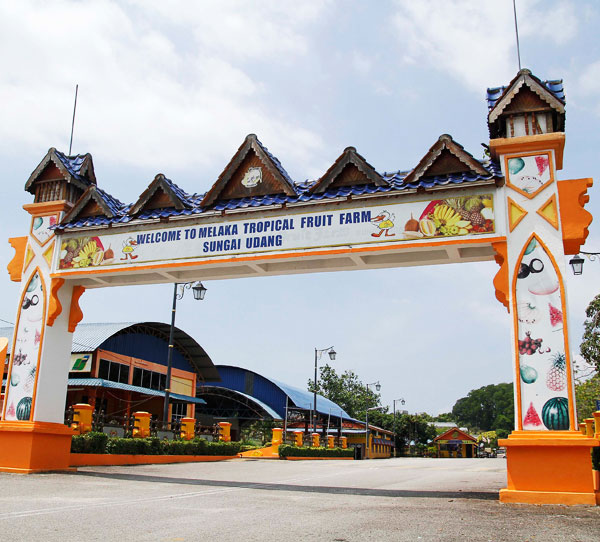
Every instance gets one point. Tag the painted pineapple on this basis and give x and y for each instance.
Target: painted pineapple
(30, 379)
(557, 375)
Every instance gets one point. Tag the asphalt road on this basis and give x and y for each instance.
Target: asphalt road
(250, 499)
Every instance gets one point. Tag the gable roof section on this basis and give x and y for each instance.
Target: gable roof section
(454, 167)
(448, 435)
(445, 157)
(349, 169)
(228, 185)
(78, 169)
(94, 202)
(551, 92)
(161, 193)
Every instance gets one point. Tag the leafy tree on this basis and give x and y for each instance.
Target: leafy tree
(586, 394)
(415, 427)
(490, 408)
(260, 432)
(445, 417)
(347, 391)
(590, 346)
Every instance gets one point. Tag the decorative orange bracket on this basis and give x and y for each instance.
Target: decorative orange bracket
(501, 278)
(75, 314)
(15, 267)
(572, 197)
(55, 308)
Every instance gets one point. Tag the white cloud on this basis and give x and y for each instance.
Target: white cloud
(144, 96)
(586, 87)
(474, 42)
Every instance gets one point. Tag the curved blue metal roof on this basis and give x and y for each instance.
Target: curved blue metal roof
(305, 399)
(273, 392)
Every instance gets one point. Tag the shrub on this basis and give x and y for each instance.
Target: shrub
(285, 450)
(90, 443)
(99, 443)
(131, 446)
(596, 458)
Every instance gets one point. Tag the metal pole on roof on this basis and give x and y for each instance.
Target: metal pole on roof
(73, 121)
(517, 33)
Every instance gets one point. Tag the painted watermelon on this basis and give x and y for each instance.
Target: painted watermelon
(555, 414)
(24, 408)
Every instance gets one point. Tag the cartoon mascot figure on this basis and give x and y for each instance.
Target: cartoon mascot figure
(129, 245)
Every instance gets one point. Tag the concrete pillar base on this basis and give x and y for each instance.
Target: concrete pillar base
(550, 467)
(27, 447)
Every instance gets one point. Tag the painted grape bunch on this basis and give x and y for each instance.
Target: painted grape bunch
(529, 346)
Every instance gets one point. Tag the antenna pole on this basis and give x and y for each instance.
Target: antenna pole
(73, 121)
(517, 33)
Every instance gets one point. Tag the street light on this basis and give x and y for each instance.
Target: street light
(377, 387)
(199, 291)
(318, 353)
(576, 261)
(402, 402)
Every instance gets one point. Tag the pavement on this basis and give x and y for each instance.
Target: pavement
(410, 499)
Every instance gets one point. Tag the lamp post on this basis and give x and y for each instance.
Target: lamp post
(402, 402)
(199, 291)
(377, 387)
(576, 262)
(318, 353)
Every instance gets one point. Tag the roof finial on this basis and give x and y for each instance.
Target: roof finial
(73, 121)
(517, 33)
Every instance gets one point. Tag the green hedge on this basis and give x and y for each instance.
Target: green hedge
(596, 458)
(285, 450)
(90, 443)
(99, 443)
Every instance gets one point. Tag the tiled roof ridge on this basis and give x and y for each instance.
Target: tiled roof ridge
(554, 86)
(394, 182)
(275, 161)
(180, 192)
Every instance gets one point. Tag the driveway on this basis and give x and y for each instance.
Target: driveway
(252, 499)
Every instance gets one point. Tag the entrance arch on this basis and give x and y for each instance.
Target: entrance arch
(255, 221)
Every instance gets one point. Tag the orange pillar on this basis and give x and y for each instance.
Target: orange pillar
(187, 428)
(225, 431)
(82, 418)
(141, 428)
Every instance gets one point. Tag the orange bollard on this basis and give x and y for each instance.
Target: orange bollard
(344, 442)
(315, 440)
(277, 436)
(589, 422)
(82, 418)
(225, 431)
(187, 428)
(141, 426)
(298, 438)
(330, 440)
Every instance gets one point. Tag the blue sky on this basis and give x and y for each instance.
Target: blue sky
(174, 87)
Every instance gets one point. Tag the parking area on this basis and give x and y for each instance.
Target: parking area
(248, 499)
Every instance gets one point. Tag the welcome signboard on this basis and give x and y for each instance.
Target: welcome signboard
(463, 216)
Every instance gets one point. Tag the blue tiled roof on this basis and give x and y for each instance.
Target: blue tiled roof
(554, 86)
(179, 192)
(113, 203)
(276, 162)
(73, 164)
(394, 182)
